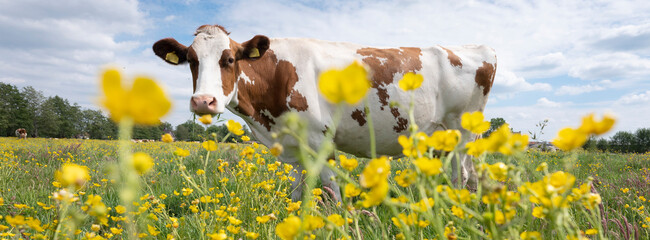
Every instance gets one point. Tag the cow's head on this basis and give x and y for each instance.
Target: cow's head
(213, 60)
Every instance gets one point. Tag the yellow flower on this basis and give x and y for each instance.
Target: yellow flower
(206, 119)
(478, 147)
(498, 171)
(167, 138)
(542, 167)
(458, 212)
(120, 209)
(288, 229)
(317, 191)
(234, 127)
(142, 162)
(410, 81)
(376, 172)
(252, 235)
(245, 138)
(351, 191)
(592, 231)
(474, 122)
(538, 212)
(376, 195)
(348, 163)
(276, 149)
(200, 172)
(209, 145)
(221, 235)
(312, 223)
(406, 178)
(525, 235)
(412, 149)
(569, 139)
(429, 166)
(591, 126)
(145, 102)
(516, 143)
(152, 230)
(499, 138)
(293, 206)
(181, 152)
(350, 84)
(560, 181)
(187, 191)
(72, 175)
(336, 219)
(444, 140)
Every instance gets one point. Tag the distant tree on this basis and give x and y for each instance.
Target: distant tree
(189, 131)
(602, 144)
(642, 140)
(34, 99)
(13, 110)
(495, 123)
(622, 141)
(48, 122)
(97, 126)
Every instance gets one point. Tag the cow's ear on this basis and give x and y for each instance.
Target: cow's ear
(254, 48)
(171, 51)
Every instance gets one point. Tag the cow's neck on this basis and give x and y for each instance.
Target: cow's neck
(266, 89)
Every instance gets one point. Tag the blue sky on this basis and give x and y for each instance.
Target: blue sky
(558, 60)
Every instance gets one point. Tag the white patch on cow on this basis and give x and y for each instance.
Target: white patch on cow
(382, 61)
(245, 78)
(209, 44)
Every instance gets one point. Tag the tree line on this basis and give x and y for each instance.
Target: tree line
(56, 117)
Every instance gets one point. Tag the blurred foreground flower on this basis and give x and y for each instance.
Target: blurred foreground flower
(289, 228)
(411, 81)
(569, 139)
(145, 101)
(591, 126)
(167, 138)
(206, 119)
(72, 175)
(234, 127)
(142, 162)
(474, 122)
(209, 145)
(350, 84)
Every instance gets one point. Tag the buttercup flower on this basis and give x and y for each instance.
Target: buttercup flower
(348, 163)
(428, 166)
(350, 84)
(288, 228)
(591, 126)
(234, 127)
(375, 172)
(569, 139)
(411, 81)
(206, 119)
(72, 175)
(167, 138)
(351, 191)
(474, 122)
(142, 162)
(444, 140)
(209, 145)
(145, 102)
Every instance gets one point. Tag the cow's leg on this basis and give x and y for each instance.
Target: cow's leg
(298, 181)
(467, 172)
(327, 178)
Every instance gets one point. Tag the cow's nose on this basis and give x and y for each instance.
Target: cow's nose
(204, 104)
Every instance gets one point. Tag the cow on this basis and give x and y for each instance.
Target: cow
(262, 78)
(21, 133)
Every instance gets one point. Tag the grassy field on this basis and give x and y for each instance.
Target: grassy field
(239, 191)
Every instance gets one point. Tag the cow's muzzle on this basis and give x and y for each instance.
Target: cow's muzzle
(203, 104)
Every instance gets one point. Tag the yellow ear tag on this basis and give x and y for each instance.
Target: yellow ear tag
(254, 53)
(171, 57)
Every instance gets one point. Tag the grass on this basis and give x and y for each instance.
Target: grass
(246, 187)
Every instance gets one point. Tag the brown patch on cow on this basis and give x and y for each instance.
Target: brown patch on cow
(227, 71)
(327, 128)
(272, 84)
(359, 116)
(453, 58)
(193, 59)
(485, 76)
(402, 123)
(167, 45)
(385, 63)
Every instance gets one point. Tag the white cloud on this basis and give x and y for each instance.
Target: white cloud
(544, 102)
(577, 90)
(616, 65)
(170, 18)
(635, 99)
(507, 84)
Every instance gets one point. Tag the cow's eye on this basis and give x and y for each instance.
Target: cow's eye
(231, 60)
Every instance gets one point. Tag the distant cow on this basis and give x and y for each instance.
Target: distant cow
(263, 78)
(21, 133)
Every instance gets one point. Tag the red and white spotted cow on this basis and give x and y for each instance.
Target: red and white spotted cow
(21, 133)
(263, 78)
